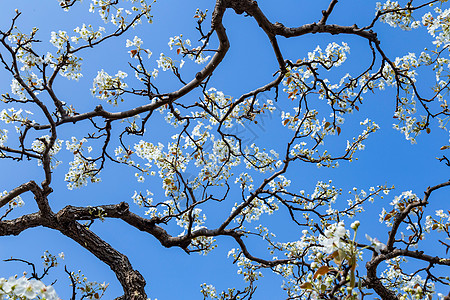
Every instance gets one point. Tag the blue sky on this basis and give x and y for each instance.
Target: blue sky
(171, 273)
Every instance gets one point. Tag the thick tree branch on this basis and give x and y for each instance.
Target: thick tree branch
(16, 226)
(17, 192)
(131, 280)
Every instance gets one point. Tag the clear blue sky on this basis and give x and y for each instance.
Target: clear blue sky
(171, 273)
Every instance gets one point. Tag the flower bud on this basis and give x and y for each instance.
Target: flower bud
(355, 225)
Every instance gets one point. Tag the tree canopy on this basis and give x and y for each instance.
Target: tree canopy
(299, 147)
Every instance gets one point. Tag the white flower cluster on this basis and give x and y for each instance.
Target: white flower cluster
(184, 47)
(137, 42)
(88, 289)
(87, 33)
(65, 3)
(309, 122)
(309, 125)
(197, 218)
(18, 90)
(280, 183)
(216, 100)
(257, 208)
(151, 153)
(324, 190)
(246, 268)
(81, 168)
(332, 239)
(11, 116)
(334, 55)
(324, 194)
(178, 42)
(438, 26)
(59, 40)
(407, 65)
(405, 198)
(24, 52)
(203, 244)
(22, 288)
(298, 77)
(439, 224)
(140, 71)
(355, 204)
(333, 251)
(28, 59)
(208, 291)
(222, 107)
(260, 159)
(436, 23)
(245, 180)
(398, 204)
(407, 124)
(211, 158)
(124, 156)
(3, 136)
(70, 69)
(39, 147)
(396, 15)
(15, 202)
(141, 200)
(119, 16)
(170, 163)
(166, 63)
(411, 286)
(109, 88)
(375, 243)
(357, 144)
